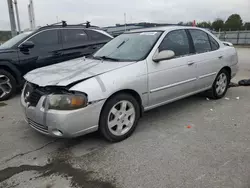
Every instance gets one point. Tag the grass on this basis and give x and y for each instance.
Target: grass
(2, 104)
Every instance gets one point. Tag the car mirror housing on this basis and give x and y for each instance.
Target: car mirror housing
(27, 45)
(163, 55)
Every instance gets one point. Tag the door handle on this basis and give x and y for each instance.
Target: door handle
(190, 63)
(220, 57)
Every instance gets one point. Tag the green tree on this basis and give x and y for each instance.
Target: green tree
(218, 24)
(5, 35)
(205, 25)
(234, 22)
(188, 23)
(247, 26)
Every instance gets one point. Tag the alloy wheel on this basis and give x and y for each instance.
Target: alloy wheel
(5, 86)
(221, 83)
(121, 118)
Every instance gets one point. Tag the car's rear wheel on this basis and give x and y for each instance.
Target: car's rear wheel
(220, 85)
(7, 85)
(119, 117)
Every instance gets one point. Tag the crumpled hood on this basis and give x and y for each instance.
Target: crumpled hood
(63, 74)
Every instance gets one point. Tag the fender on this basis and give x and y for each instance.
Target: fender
(13, 68)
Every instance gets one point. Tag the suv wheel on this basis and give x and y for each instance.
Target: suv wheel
(7, 85)
(119, 117)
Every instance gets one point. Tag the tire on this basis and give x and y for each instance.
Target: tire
(116, 124)
(214, 92)
(7, 85)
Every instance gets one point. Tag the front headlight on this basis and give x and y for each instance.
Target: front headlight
(66, 101)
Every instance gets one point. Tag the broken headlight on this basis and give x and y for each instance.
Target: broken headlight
(67, 101)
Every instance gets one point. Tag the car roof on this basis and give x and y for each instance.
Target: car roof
(73, 27)
(165, 28)
(66, 27)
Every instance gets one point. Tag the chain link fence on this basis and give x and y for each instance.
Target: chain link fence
(235, 37)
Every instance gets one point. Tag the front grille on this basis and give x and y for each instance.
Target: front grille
(38, 126)
(34, 97)
(32, 94)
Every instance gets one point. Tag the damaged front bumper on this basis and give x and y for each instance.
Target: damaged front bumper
(62, 123)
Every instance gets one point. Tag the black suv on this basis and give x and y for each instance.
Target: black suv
(45, 46)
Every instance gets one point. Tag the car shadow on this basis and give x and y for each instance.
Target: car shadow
(150, 117)
(153, 117)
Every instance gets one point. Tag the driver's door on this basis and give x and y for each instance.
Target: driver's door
(47, 50)
(174, 78)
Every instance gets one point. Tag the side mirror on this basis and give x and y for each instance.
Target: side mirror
(27, 45)
(163, 55)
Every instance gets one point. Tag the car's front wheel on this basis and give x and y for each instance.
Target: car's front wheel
(220, 85)
(7, 85)
(119, 117)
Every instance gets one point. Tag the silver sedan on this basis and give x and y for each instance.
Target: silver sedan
(135, 72)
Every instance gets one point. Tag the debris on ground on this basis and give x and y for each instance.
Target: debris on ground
(208, 99)
(189, 126)
(2, 104)
(227, 98)
(211, 110)
(244, 82)
(233, 84)
(238, 98)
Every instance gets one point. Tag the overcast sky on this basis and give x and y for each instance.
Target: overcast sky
(110, 12)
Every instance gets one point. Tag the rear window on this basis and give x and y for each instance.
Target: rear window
(94, 35)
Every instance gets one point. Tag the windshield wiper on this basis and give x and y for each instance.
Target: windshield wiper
(106, 58)
(121, 44)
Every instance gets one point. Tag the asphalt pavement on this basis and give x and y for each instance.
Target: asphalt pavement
(194, 142)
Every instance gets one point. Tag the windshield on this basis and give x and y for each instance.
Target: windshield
(128, 47)
(14, 40)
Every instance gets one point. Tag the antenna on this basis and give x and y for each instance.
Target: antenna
(125, 21)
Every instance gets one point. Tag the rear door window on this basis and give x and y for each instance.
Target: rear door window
(177, 41)
(74, 36)
(96, 36)
(214, 44)
(201, 41)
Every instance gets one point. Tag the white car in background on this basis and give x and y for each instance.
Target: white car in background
(135, 72)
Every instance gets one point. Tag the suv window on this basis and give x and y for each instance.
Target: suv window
(214, 43)
(94, 35)
(176, 41)
(201, 41)
(45, 38)
(74, 36)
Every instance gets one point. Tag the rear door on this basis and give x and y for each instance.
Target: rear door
(76, 43)
(47, 51)
(208, 57)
